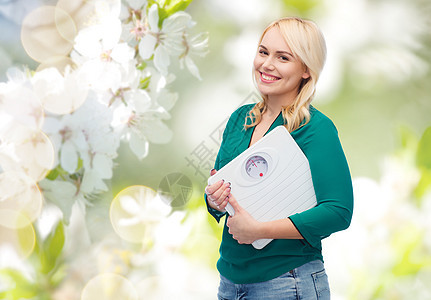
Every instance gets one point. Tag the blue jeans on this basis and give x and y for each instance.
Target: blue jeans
(307, 282)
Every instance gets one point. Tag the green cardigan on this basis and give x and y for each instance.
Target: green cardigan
(319, 141)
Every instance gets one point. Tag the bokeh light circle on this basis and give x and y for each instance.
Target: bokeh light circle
(23, 104)
(60, 93)
(81, 11)
(109, 286)
(20, 193)
(30, 152)
(46, 32)
(16, 232)
(135, 211)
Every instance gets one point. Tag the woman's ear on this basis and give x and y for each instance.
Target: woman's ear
(306, 74)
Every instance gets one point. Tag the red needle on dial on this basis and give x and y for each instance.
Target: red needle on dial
(253, 163)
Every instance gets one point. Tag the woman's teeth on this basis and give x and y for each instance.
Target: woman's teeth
(267, 77)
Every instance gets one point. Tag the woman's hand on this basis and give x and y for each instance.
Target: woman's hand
(218, 194)
(243, 227)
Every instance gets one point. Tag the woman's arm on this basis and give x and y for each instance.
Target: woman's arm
(333, 187)
(245, 229)
(332, 184)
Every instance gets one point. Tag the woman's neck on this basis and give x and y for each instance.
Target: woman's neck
(272, 111)
(274, 105)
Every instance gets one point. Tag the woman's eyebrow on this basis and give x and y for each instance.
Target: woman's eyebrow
(278, 51)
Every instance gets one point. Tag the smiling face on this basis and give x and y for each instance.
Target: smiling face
(277, 71)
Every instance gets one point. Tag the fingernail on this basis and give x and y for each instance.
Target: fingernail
(211, 171)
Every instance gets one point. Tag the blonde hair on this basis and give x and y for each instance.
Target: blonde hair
(307, 43)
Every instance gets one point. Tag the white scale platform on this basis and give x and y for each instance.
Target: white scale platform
(271, 179)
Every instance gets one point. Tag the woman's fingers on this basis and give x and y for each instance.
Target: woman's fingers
(223, 204)
(224, 196)
(221, 194)
(211, 189)
(218, 194)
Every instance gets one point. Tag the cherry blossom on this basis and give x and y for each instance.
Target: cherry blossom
(162, 42)
(116, 89)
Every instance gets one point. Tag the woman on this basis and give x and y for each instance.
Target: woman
(288, 62)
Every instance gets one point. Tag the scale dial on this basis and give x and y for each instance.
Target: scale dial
(256, 166)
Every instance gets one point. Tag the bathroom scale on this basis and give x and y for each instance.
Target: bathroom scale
(271, 179)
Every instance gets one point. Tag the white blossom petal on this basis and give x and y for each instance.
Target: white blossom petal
(153, 18)
(88, 182)
(103, 166)
(167, 100)
(47, 81)
(136, 4)
(111, 32)
(87, 42)
(161, 59)
(157, 132)
(62, 193)
(101, 76)
(100, 186)
(141, 100)
(69, 157)
(178, 22)
(192, 67)
(198, 44)
(146, 46)
(138, 145)
(80, 141)
(122, 53)
(92, 183)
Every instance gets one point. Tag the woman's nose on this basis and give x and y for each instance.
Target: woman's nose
(268, 63)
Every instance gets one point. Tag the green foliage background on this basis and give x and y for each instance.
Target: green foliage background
(376, 118)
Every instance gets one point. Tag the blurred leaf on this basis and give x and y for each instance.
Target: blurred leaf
(412, 256)
(58, 276)
(423, 157)
(54, 173)
(175, 6)
(423, 185)
(144, 82)
(303, 6)
(195, 205)
(423, 161)
(408, 138)
(80, 164)
(21, 287)
(167, 8)
(51, 249)
(142, 65)
(25, 241)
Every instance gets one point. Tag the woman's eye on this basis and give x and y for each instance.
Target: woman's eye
(285, 58)
(263, 52)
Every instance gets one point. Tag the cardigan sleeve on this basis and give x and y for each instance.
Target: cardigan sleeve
(332, 185)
